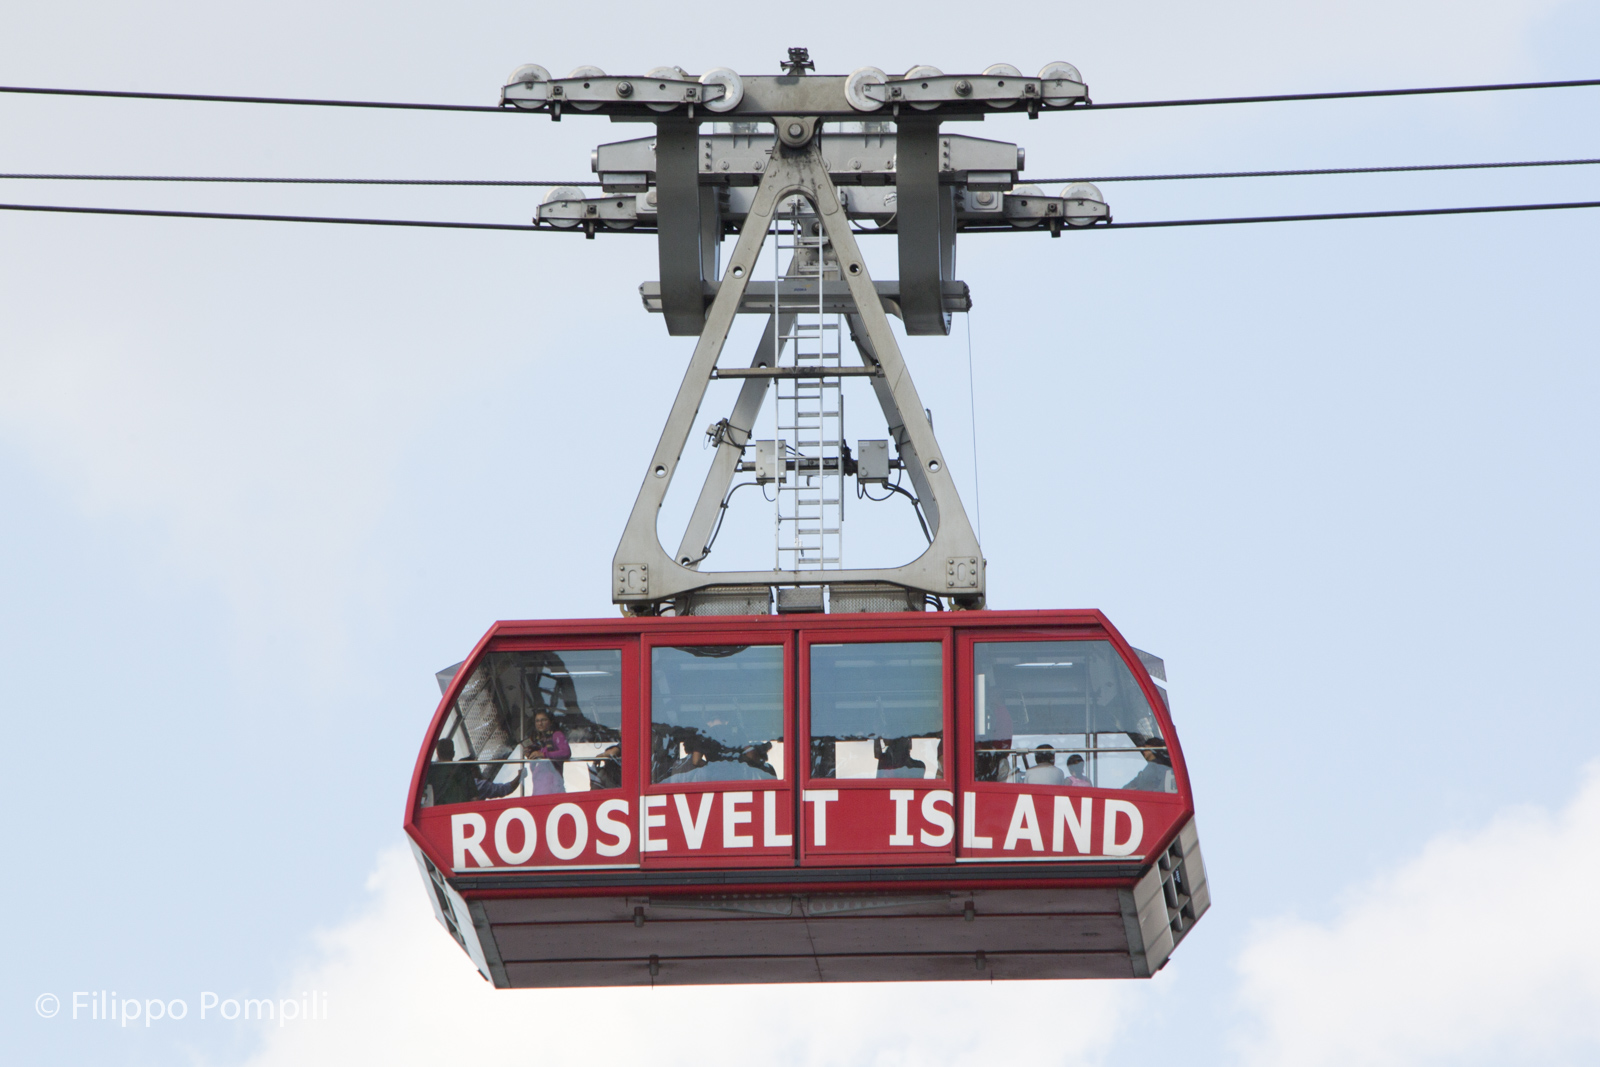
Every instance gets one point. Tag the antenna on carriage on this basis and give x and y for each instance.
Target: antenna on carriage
(799, 62)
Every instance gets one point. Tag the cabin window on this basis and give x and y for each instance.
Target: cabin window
(530, 724)
(877, 710)
(716, 713)
(1064, 713)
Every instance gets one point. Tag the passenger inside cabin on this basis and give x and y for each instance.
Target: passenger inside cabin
(548, 748)
(756, 756)
(695, 756)
(1156, 777)
(1075, 771)
(894, 759)
(1044, 770)
(703, 762)
(460, 783)
(606, 772)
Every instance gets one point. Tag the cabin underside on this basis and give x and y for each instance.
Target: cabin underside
(978, 934)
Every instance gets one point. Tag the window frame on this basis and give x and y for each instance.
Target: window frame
(626, 644)
(711, 855)
(896, 636)
(846, 848)
(966, 698)
(645, 722)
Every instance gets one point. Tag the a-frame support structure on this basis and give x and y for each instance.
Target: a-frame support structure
(645, 578)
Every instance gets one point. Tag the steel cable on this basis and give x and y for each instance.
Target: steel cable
(1194, 102)
(594, 184)
(448, 225)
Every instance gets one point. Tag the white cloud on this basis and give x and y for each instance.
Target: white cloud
(400, 992)
(1482, 949)
(264, 478)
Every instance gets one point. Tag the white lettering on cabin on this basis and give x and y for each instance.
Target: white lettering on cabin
(945, 820)
(647, 821)
(902, 799)
(969, 825)
(694, 830)
(462, 841)
(732, 816)
(502, 837)
(819, 799)
(769, 822)
(580, 832)
(1110, 845)
(1024, 825)
(1080, 823)
(605, 824)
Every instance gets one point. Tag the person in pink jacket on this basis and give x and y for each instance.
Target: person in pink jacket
(548, 748)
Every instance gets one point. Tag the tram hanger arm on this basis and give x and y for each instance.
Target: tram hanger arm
(952, 566)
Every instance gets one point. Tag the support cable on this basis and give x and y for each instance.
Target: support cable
(212, 98)
(238, 216)
(528, 227)
(1337, 215)
(286, 181)
(1357, 94)
(1302, 173)
(1192, 102)
(972, 411)
(594, 184)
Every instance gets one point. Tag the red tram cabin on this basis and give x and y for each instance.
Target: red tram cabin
(791, 798)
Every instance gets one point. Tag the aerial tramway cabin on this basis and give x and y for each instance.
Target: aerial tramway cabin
(805, 797)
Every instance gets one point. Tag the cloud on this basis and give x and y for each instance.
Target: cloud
(1480, 949)
(400, 992)
(262, 480)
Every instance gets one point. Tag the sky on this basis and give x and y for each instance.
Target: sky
(261, 481)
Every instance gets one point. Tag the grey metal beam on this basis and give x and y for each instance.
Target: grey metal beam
(724, 464)
(835, 296)
(679, 215)
(925, 221)
(799, 372)
(927, 499)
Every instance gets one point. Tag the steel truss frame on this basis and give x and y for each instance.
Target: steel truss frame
(645, 579)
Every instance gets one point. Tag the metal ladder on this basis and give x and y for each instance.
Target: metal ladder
(808, 524)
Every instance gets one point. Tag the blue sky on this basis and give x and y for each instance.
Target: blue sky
(261, 481)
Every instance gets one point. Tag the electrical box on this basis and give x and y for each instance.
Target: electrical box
(872, 462)
(771, 465)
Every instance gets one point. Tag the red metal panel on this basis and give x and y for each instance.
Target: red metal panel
(556, 832)
(1033, 822)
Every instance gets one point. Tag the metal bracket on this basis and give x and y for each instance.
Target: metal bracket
(927, 227)
(684, 208)
(644, 575)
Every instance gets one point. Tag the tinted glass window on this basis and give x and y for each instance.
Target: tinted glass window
(1065, 713)
(716, 713)
(877, 710)
(529, 724)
